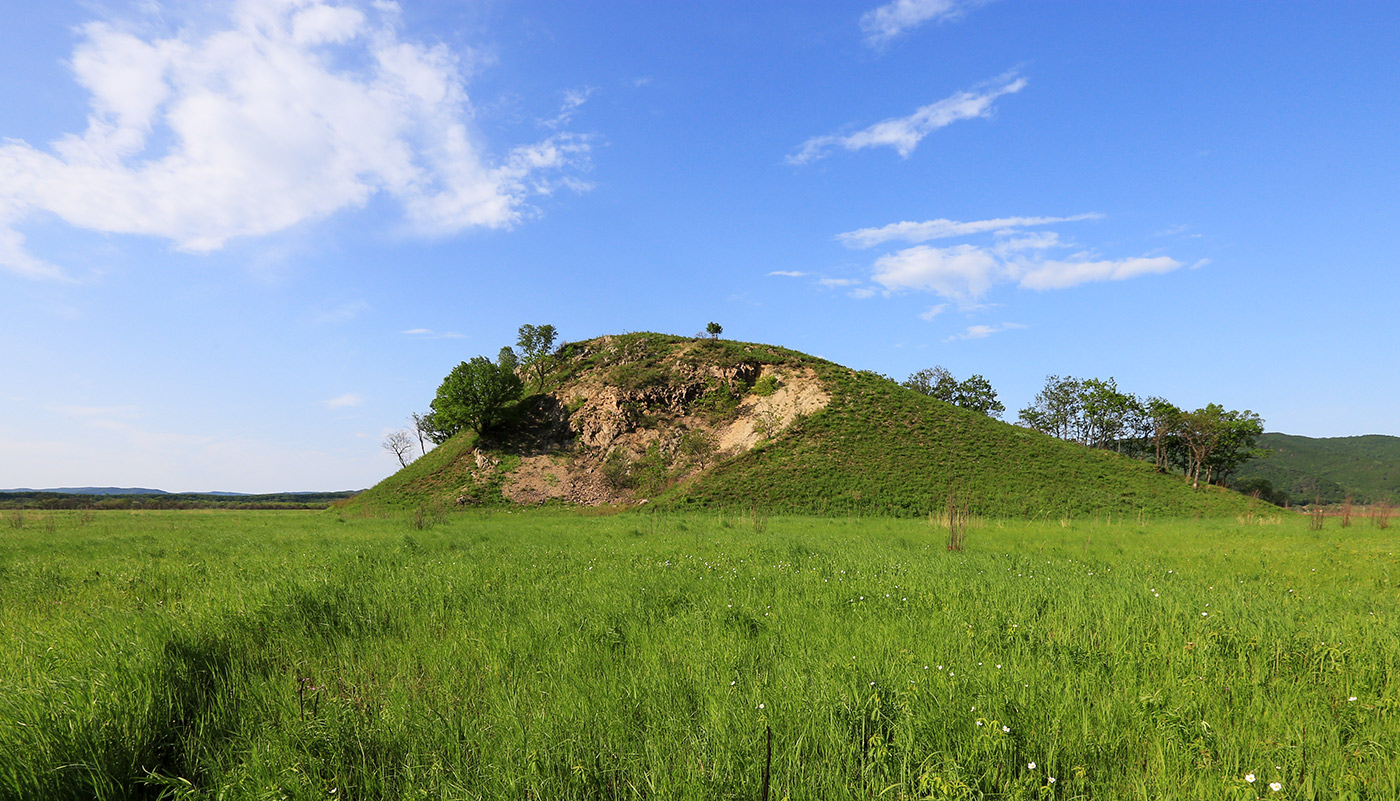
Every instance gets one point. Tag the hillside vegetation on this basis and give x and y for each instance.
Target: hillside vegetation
(1307, 469)
(681, 422)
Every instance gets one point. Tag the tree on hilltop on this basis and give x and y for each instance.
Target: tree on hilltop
(536, 343)
(714, 330)
(975, 394)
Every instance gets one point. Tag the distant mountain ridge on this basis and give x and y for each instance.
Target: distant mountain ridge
(107, 491)
(1309, 469)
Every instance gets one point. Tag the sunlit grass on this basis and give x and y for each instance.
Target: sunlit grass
(266, 655)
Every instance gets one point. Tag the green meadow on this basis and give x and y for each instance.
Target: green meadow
(548, 655)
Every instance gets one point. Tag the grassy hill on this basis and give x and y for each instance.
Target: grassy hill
(627, 419)
(1307, 468)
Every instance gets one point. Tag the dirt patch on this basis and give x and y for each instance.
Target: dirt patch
(799, 392)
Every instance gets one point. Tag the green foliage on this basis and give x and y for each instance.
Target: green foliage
(714, 330)
(286, 654)
(698, 445)
(536, 343)
(632, 376)
(975, 393)
(1328, 469)
(473, 395)
(766, 385)
(617, 470)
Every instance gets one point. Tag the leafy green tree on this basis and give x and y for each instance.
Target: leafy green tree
(536, 343)
(1164, 421)
(1239, 433)
(1106, 412)
(714, 330)
(935, 382)
(1058, 409)
(975, 393)
(473, 395)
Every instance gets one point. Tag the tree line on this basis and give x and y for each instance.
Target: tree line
(1206, 444)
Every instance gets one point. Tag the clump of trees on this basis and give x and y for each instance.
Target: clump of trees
(1206, 444)
(975, 393)
(475, 394)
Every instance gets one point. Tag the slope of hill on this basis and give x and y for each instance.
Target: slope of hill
(686, 423)
(1329, 469)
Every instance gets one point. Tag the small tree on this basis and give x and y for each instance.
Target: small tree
(420, 428)
(536, 343)
(698, 444)
(714, 330)
(400, 443)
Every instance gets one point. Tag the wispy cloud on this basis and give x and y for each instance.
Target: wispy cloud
(789, 273)
(1061, 274)
(915, 232)
(346, 401)
(273, 114)
(573, 99)
(965, 272)
(933, 311)
(892, 19)
(342, 313)
(428, 333)
(983, 331)
(905, 133)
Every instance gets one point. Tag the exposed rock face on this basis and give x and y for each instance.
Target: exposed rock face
(610, 412)
(568, 435)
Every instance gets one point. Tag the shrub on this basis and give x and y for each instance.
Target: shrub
(766, 386)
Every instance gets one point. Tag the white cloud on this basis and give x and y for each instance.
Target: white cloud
(983, 331)
(1061, 274)
(892, 19)
(962, 272)
(428, 333)
(915, 232)
(573, 98)
(904, 133)
(789, 273)
(288, 112)
(966, 272)
(933, 311)
(838, 282)
(343, 401)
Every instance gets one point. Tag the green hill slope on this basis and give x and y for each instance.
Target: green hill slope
(1329, 469)
(684, 423)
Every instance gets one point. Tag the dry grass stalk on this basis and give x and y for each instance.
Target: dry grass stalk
(957, 520)
(1346, 512)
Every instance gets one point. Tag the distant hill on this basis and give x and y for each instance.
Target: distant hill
(1308, 468)
(96, 491)
(686, 423)
(118, 498)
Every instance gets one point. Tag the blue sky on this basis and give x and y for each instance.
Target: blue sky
(240, 242)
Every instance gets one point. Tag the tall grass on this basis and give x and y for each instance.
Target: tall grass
(296, 655)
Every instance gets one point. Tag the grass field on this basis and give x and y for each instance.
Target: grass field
(263, 655)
